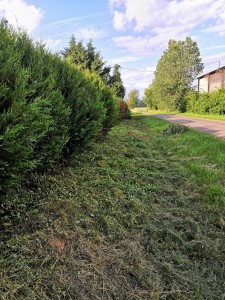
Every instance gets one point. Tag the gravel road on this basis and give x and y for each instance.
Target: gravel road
(213, 127)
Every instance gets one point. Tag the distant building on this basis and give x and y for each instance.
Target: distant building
(212, 81)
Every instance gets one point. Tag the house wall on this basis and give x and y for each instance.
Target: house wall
(215, 81)
(212, 82)
(203, 84)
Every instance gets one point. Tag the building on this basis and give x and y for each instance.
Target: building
(212, 81)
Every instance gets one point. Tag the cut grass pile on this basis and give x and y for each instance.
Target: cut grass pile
(123, 220)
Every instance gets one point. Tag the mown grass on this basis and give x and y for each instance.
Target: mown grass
(126, 219)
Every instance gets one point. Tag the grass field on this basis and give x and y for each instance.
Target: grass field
(139, 215)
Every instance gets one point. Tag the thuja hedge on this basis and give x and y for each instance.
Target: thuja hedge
(47, 106)
(206, 103)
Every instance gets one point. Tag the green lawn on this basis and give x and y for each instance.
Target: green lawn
(139, 215)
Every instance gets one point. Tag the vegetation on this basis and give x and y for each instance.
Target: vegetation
(133, 98)
(176, 70)
(124, 111)
(125, 219)
(47, 106)
(116, 82)
(148, 98)
(88, 58)
(206, 103)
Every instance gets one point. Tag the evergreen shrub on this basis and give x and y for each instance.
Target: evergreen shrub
(47, 106)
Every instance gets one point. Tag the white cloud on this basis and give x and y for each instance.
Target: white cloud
(90, 33)
(218, 28)
(20, 13)
(148, 14)
(141, 45)
(52, 44)
(155, 22)
(119, 21)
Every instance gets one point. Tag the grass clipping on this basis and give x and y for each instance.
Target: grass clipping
(119, 221)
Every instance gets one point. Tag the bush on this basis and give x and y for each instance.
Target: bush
(109, 102)
(206, 103)
(46, 106)
(124, 111)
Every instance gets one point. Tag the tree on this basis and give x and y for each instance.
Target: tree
(116, 82)
(76, 53)
(148, 98)
(87, 58)
(175, 72)
(133, 98)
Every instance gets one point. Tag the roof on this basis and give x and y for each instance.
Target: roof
(212, 72)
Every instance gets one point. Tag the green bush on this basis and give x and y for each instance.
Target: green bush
(206, 103)
(46, 106)
(109, 101)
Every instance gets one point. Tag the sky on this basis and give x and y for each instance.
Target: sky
(131, 33)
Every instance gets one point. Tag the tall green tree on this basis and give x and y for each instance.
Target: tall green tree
(87, 57)
(76, 53)
(117, 83)
(133, 98)
(176, 70)
(148, 98)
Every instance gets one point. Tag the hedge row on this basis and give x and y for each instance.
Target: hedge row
(206, 103)
(47, 106)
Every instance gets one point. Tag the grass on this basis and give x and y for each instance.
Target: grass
(126, 219)
(145, 111)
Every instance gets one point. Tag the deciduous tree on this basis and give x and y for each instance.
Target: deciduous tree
(175, 73)
(133, 98)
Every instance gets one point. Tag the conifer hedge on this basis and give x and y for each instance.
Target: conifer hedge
(46, 106)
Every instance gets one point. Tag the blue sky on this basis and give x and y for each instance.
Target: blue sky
(132, 33)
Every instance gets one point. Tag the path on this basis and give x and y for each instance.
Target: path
(213, 127)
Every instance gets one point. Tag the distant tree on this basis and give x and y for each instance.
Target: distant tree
(175, 72)
(148, 98)
(87, 58)
(116, 82)
(133, 98)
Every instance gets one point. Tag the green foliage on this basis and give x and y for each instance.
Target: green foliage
(47, 106)
(116, 83)
(148, 98)
(206, 103)
(133, 98)
(124, 112)
(87, 58)
(175, 72)
(109, 102)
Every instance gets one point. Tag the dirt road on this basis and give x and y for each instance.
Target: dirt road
(213, 127)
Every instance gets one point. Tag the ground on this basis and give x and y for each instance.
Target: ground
(132, 217)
